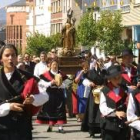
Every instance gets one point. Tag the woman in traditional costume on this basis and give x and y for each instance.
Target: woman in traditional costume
(53, 112)
(91, 122)
(16, 97)
(82, 98)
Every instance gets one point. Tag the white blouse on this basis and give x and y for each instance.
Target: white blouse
(43, 84)
(131, 114)
(105, 110)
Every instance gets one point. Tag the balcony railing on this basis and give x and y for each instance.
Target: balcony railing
(112, 8)
(125, 8)
(136, 1)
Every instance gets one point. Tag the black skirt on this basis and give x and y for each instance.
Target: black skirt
(91, 121)
(54, 109)
(15, 134)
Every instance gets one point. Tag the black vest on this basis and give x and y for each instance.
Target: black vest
(117, 103)
(8, 90)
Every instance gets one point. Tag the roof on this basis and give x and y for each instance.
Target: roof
(19, 3)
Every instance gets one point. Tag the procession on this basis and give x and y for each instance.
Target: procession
(83, 84)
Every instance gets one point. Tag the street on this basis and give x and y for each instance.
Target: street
(72, 129)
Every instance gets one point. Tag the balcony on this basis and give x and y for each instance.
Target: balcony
(135, 2)
(125, 8)
(111, 8)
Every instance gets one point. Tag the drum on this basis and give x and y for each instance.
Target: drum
(58, 79)
(96, 94)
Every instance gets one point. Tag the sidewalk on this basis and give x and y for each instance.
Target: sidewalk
(72, 129)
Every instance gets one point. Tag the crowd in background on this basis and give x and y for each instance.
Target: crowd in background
(103, 95)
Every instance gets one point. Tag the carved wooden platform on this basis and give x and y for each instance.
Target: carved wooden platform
(69, 64)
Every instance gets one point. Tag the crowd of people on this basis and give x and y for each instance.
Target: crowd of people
(105, 99)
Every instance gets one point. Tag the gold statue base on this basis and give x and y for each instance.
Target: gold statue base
(67, 52)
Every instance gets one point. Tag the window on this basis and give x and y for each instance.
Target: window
(12, 17)
(59, 6)
(64, 6)
(17, 32)
(14, 32)
(124, 2)
(107, 3)
(52, 28)
(20, 32)
(56, 6)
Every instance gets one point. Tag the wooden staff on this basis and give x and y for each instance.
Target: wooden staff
(131, 121)
(11, 99)
(14, 98)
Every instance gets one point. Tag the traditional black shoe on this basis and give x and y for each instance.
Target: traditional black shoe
(49, 129)
(92, 135)
(61, 131)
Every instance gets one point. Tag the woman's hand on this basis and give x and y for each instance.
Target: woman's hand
(53, 82)
(82, 71)
(29, 100)
(16, 107)
(92, 84)
(132, 87)
(120, 114)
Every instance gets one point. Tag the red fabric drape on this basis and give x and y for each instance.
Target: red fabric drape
(74, 103)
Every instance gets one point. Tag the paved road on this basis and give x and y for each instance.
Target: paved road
(72, 129)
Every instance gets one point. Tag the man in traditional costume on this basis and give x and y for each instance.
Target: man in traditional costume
(113, 106)
(130, 70)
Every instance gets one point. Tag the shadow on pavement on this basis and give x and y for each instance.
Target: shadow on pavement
(72, 131)
(41, 138)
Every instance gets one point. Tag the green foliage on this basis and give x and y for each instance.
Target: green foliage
(86, 32)
(56, 40)
(38, 42)
(19, 50)
(109, 31)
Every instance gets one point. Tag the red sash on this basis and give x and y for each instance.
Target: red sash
(49, 76)
(31, 87)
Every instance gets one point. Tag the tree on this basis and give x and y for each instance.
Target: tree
(86, 32)
(109, 31)
(38, 42)
(56, 40)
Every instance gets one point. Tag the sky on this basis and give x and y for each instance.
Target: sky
(4, 3)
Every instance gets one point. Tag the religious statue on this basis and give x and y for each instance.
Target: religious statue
(68, 34)
(69, 15)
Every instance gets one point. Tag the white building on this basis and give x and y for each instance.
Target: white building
(39, 17)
